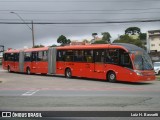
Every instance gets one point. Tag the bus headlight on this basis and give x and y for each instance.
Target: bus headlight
(138, 72)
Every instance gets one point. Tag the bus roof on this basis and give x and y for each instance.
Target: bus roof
(92, 46)
(12, 51)
(129, 47)
(125, 46)
(36, 49)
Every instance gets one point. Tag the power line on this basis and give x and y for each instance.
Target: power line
(46, 20)
(91, 13)
(80, 10)
(105, 22)
(45, 1)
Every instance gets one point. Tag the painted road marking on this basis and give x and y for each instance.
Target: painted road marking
(30, 92)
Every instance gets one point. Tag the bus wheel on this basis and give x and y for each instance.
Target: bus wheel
(9, 70)
(111, 77)
(28, 71)
(68, 73)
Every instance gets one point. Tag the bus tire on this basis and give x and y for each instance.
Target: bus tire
(68, 73)
(111, 76)
(28, 71)
(9, 69)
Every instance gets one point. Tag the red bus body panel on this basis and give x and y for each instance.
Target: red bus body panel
(82, 69)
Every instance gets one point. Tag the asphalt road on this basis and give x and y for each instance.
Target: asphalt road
(56, 93)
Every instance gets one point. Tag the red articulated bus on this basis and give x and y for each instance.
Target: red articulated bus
(112, 62)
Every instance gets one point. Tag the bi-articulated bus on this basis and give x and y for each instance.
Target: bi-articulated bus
(112, 62)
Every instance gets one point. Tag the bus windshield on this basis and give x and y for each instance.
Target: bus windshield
(142, 61)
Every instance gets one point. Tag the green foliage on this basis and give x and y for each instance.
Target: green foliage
(143, 36)
(54, 45)
(38, 46)
(100, 42)
(127, 39)
(106, 37)
(63, 40)
(132, 31)
(94, 34)
(85, 41)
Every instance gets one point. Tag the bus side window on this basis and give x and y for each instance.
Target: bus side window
(11, 57)
(16, 57)
(78, 56)
(45, 56)
(69, 56)
(125, 60)
(60, 55)
(88, 56)
(112, 56)
(5, 56)
(99, 55)
(27, 57)
(34, 56)
(40, 56)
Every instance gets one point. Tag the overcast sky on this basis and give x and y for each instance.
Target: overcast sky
(18, 36)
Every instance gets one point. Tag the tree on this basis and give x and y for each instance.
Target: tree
(63, 40)
(38, 46)
(132, 31)
(54, 45)
(106, 37)
(99, 42)
(85, 41)
(127, 39)
(94, 35)
(143, 36)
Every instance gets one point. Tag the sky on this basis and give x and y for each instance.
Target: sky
(63, 11)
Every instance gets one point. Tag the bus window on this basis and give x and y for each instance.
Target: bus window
(60, 55)
(40, 56)
(125, 60)
(5, 56)
(27, 57)
(10, 57)
(69, 56)
(112, 56)
(99, 55)
(88, 56)
(78, 56)
(16, 57)
(45, 54)
(34, 56)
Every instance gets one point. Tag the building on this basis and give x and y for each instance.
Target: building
(1, 58)
(153, 41)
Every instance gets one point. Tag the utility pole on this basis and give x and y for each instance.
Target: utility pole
(33, 33)
(31, 28)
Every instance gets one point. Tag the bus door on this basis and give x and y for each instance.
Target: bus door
(11, 61)
(99, 66)
(41, 63)
(125, 71)
(88, 67)
(34, 62)
(16, 62)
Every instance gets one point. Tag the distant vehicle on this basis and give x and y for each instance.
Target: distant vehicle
(157, 68)
(112, 62)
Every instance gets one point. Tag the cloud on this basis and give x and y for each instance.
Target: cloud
(17, 36)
